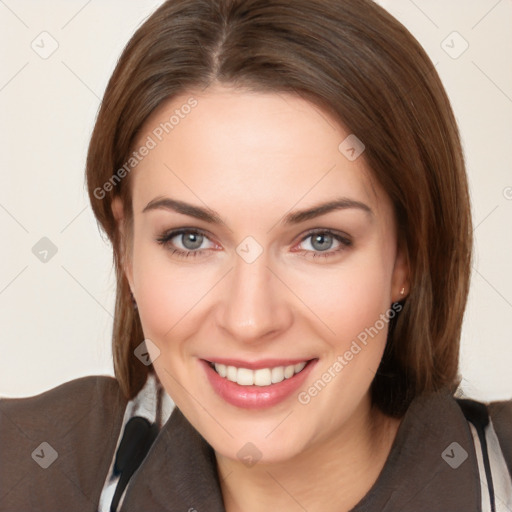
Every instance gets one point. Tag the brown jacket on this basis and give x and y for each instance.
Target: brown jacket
(81, 420)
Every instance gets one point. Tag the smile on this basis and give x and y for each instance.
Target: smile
(264, 385)
(260, 377)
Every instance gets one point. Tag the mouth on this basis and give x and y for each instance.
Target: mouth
(265, 384)
(265, 376)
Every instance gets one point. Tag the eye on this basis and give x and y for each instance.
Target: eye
(188, 242)
(321, 241)
(184, 242)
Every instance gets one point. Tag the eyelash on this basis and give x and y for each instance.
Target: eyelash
(165, 238)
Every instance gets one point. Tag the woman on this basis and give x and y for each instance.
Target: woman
(284, 188)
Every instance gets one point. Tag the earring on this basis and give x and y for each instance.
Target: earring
(134, 302)
(402, 291)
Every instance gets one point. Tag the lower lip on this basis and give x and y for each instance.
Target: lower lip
(255, 397)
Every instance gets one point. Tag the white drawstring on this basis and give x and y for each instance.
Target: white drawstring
(153, 403)
(502, 481)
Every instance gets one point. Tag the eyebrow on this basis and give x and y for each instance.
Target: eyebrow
(210, 216)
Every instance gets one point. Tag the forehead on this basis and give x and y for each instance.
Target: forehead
(264, 148)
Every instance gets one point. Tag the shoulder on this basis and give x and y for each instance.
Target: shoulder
(97, 396)
(61, 439)
(80, 387)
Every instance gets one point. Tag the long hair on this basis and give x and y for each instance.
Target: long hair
(359, 64)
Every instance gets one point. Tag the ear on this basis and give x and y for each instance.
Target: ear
(118, 212)
(400, 279)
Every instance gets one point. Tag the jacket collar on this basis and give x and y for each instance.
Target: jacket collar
(432, 462)
(179, 473)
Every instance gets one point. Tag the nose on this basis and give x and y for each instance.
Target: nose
(255, 306)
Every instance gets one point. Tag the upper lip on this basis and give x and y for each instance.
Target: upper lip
(256, 365)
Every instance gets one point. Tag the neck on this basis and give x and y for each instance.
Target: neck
(329, 476)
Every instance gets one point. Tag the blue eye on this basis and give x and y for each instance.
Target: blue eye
(323, 240)
(191, 241)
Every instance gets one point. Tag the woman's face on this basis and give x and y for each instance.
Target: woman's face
(235, 261)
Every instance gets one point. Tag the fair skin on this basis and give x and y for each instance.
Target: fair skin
(254, 158)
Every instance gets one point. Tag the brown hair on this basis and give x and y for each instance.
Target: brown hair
(353, 59)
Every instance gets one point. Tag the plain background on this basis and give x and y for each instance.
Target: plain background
(56, 316)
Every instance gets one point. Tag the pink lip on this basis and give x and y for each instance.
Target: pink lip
(255, 397)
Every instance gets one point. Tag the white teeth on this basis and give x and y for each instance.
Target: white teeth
(261, 377)
(231, 373)
(277, 374)
(244, 377)
(289, 371)
(221, 369)
(299, 366)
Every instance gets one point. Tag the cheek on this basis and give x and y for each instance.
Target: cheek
(168, 295)
(353, 304)
(351, 297)
(152, 286)
(363, 319)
